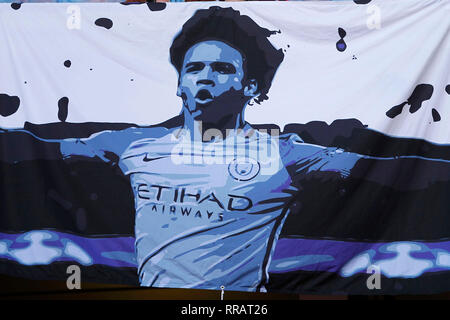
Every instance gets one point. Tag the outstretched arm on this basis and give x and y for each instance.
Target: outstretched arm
(18, 145)
(400, 172)
(21, 145)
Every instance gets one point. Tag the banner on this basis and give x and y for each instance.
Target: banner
(297, 147)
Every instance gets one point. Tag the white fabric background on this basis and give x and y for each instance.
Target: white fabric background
(315, 81)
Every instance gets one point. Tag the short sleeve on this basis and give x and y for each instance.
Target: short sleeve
(303, 158)
(106, 145)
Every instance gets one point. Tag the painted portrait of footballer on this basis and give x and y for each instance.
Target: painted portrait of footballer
(213, 192)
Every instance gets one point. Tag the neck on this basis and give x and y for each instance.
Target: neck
(202, 130)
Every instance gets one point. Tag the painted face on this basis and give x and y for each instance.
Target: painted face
(211, 80)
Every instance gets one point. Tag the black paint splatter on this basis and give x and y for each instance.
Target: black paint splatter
(156, 6)
(395, 111)
(361, 1)
(354, 57)
(8, 104)
(130, 3)
(447, 89)
(67, 63)
(436, 115)
(104, 22)
(63, 109)
(16, 5)
(341, 45)
(421, 93)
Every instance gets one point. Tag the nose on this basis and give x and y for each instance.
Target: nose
(206, 77)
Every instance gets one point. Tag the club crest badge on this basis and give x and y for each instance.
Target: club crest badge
(244, 169)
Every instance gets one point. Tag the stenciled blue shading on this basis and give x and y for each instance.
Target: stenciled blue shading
(443, 258)
(228, 227)
(71, 249)
(146, 155)
(297, 262)
(42, 247)
(347, 258)
(128, 257)
(4, 246)
(37, 252)
(403, 264)
(358, 264)
(395, 259)
(102, 143)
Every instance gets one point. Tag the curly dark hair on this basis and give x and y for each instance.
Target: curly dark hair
(260, 58)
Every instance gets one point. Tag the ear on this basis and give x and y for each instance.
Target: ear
(251, 88)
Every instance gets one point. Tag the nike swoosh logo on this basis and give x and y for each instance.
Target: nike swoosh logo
(147, 159)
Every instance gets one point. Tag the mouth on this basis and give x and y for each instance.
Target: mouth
(203, 96)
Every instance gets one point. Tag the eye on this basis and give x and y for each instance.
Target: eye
(194, 67)
(223, 67)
